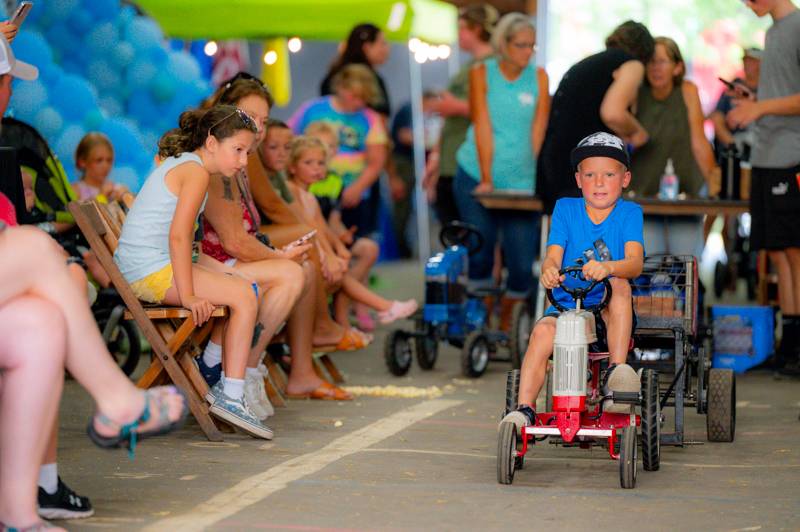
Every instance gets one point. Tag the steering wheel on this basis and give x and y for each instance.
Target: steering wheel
(580, 293)
(461, 234)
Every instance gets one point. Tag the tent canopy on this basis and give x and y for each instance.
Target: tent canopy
(433, 21)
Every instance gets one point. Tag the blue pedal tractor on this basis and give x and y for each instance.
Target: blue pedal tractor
(455, 314)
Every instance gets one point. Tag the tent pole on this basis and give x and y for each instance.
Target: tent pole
(418, 128)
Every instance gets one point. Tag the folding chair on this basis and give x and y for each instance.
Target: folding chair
(171, 331)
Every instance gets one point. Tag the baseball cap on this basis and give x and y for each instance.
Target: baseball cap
(600, 144)
(753, 52)
(9, 64)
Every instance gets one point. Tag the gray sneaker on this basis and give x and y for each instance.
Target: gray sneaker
(237, 413)
(622, 378)
(214, 392)
(524, 416)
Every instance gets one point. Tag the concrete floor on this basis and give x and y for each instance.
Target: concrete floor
(382, 463)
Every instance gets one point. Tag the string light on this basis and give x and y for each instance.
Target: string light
(295, 44)
(210, 48)
(271, 57)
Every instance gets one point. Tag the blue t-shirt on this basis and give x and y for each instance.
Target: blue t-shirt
(573, 230)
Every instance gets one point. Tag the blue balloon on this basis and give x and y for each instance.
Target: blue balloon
(102, 10)
(48, 122)
(103, 38)
(64, 43)
(123, 53)
(183, 66)
(124, 136)
(126, 15)
(80, 21)
(103, 75)
(142, 107)
(74, 97)
(111, 106)
(50, 74)
(128, 176)
(58, 9)
(29, 100)
(158, 55)
(163, 87)
(143, 33)
(140, 73)
(67, 142)
(94, 119)
(150, 139)
(32, 47)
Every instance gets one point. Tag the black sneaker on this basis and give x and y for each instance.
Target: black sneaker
(63, 504)
(211, 374)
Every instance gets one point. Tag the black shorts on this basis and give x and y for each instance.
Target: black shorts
(775, 208)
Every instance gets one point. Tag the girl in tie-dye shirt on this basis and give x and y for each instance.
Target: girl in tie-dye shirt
(362, 142)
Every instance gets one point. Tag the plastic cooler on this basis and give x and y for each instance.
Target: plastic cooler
(743, 336)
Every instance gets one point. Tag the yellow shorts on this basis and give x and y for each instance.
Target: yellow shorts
(153, 288)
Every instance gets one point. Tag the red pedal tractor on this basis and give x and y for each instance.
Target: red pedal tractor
(577, 417)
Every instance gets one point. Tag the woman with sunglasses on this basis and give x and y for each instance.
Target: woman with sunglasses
(157, 258)
(509, 103)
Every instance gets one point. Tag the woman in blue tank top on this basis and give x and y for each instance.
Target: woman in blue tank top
(509, 107)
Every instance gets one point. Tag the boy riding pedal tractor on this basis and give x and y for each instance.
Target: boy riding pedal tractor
(602, 233)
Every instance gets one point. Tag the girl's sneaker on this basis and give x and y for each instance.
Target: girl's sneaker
(257, 397)
(63, 504)
(398, 310)
(238, 413)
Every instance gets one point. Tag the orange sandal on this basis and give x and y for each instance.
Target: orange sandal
(352, 340)
(324, 392)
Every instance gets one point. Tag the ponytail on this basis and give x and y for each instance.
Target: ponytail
(196, 125)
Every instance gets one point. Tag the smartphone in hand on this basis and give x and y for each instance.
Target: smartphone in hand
(21, 13)
(303, 239)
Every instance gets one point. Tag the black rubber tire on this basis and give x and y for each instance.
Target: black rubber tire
(628, 458)
(720, 278)
(475, 355)
(506, 449)
(397, 353)
(721, 414)
(520, 333)
(125, 345)
(512, 391)
(651, 421)
(426, 347)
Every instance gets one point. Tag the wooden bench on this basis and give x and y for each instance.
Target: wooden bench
(171, 331)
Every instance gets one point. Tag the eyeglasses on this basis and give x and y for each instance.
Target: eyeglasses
(246, 119)
(524, 45)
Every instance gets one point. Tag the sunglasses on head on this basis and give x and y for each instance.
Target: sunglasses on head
(248, 122)
(242, 75)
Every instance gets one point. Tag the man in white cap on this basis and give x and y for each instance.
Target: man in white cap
(11, 68)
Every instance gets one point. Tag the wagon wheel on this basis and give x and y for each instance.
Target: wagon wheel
(506, 449)
(397, 353)
(628, 458)
(521, 325)
(427, 346)
(721, 415)
(475, 354)
(512, 392)
(651, 421)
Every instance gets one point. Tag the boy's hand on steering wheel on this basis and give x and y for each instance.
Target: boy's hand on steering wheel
(550, 278)
(596, 271)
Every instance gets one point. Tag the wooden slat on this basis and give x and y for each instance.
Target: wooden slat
(94, 228)
(165, 313)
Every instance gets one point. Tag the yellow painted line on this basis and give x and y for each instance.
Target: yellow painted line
(258, 487)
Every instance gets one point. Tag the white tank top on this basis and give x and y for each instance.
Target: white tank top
(144, 243)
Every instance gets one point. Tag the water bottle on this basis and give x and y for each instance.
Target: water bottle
(669, 187)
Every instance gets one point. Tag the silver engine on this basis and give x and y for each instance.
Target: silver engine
(575, 330)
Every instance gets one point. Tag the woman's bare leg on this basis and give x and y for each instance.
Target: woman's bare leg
(299, 329)
(33, 337)
(34, 264)
(281, 282)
